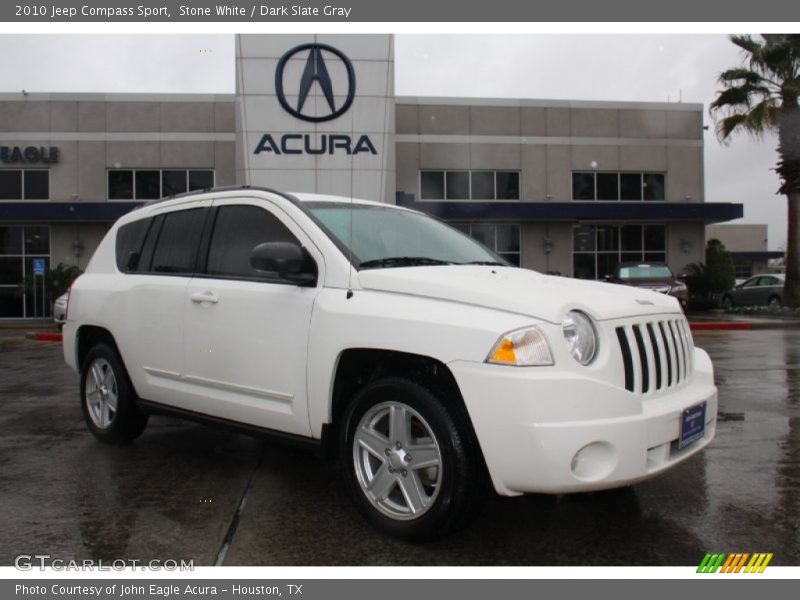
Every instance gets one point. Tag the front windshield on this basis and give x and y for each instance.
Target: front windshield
(645, 272)
(387, 237)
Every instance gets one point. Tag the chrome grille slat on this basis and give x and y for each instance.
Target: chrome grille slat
(670, 354)
(678, 349)
(656, 354)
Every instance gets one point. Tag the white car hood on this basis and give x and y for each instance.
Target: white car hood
(521, 291)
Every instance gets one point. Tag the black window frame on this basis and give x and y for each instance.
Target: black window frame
(469, 172)
(22, 176)
(160, 170)
(641, 175)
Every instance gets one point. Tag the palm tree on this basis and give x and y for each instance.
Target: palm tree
(760, 96)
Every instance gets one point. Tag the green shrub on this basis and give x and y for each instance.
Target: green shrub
(708, 281)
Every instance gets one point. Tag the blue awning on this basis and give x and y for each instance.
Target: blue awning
(706, 212)
(102, 212)
(756, 255)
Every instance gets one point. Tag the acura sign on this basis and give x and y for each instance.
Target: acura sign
(315, 71)
(315, 75)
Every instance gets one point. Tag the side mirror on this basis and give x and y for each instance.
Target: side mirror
(286, 259)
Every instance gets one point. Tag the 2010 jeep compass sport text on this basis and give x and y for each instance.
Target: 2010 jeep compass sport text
(437, 369)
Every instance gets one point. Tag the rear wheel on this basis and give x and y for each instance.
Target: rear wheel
(774, 303)
(108, 400)
(412, 464)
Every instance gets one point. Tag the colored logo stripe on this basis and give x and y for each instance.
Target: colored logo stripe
(758, 563)
(734, 562)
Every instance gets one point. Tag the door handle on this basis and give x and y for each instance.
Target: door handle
(200, 297)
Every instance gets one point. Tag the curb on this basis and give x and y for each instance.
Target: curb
(721, 326)
(44, 336)
(742, 325)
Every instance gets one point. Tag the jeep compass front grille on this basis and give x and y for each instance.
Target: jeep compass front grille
(656, 355)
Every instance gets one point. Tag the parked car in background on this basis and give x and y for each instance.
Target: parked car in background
(60, 309)
(656, 277)
(758, 290)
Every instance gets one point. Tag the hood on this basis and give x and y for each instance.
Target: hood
(521, 291)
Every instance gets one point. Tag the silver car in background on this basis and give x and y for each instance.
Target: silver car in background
(60, 309)
(759, 290)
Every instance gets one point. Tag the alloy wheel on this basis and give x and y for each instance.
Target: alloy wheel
(397, 460)
(102, 394)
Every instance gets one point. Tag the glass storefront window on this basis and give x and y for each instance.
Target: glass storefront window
(19, 245)
(598, 248)
(504, 239)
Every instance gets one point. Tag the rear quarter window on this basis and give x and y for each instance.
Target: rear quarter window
(130, 238)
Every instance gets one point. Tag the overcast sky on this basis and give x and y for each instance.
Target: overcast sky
(577, 67)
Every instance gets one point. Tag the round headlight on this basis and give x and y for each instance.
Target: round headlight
(580, 336)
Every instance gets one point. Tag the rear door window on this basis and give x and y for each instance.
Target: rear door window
(178, 241)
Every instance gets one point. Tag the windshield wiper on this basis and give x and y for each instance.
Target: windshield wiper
(484, 262)
(402, 261)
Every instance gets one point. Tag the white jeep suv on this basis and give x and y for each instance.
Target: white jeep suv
(432, 366)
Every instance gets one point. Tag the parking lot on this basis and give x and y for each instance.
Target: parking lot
(186, 491)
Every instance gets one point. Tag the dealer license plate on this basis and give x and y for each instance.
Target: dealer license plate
(693, 425)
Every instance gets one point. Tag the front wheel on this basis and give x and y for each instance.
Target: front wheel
(774, 303)
(108, 400)
(411, 461)
(727, 302)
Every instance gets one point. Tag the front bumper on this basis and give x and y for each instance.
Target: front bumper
(532, 422)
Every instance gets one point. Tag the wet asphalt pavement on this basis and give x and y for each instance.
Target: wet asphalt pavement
(176, 491)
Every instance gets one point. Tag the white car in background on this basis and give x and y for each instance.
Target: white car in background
(435, 369)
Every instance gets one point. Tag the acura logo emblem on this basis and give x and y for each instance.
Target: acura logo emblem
(315, 72)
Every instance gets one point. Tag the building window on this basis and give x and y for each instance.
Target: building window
(19, 246)
(469, 185)
(151, 184)
(598, 248)
(631, 187)
(504, 239)
(742, 269)
(24, 184)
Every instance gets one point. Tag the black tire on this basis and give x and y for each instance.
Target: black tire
(774, 303)
(462, 477)
(127, 421)
(727, 301)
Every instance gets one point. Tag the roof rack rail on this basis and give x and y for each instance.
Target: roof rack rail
(224, 188)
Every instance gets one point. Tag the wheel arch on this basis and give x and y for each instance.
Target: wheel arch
(357, 367)
(88, 336)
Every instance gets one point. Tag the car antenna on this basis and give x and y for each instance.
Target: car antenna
(350, 235)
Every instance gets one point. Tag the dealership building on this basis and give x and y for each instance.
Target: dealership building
(562, 186)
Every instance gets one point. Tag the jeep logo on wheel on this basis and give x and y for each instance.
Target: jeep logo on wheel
(315, 71)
